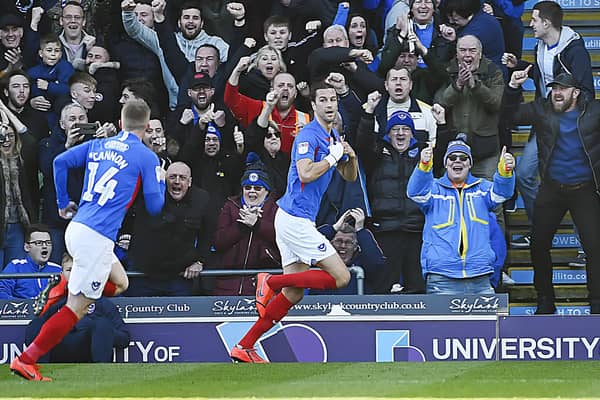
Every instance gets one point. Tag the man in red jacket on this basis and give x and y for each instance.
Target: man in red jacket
(282, 110)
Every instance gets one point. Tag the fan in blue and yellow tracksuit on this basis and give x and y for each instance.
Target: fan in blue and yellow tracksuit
(457, 256)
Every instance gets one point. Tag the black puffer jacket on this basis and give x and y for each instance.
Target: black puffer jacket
(387, 173)
(546, 123)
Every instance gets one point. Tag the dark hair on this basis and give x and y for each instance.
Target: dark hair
(73, 3)
(82, 77)
(30, 229)
(318, 86)
(141, 88)
(210, 46)
(6, 78)
(551, 11)
(464, 8)
(49, 38)
(387, 74)
(368, 43)
(277, 20)
(190, 4)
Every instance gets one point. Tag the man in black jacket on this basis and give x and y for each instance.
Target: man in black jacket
(397, 221)
(558, 49)
(567, 128)
(17, 90)
(172, 248)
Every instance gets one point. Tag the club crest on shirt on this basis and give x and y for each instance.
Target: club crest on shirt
(303, 148)
(322, 247)
(95, 285)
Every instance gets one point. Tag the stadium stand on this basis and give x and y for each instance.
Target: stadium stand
(569, 282)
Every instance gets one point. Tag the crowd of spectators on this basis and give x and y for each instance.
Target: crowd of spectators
(228, 83)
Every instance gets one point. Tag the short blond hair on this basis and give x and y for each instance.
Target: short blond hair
(135, 115)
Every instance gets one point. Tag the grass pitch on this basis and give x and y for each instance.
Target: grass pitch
(501, 380)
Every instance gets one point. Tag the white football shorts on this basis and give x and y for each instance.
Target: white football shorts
(93, 257)
(299, 240)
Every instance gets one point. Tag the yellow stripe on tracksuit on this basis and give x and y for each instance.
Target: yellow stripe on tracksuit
(463, 233)
(450, 218)
(463, 225)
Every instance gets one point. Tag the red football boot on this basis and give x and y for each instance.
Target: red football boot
(264, 293)
(239, 354)
(52, 293)
(30, 372)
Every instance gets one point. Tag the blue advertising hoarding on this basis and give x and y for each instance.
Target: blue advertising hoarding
(354, 339)
(337, 329)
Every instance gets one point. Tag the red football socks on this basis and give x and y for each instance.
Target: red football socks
(315, 279)
(51, 334)
(109, 289)
(275, 311)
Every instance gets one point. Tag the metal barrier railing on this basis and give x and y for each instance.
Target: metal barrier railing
(356, 270)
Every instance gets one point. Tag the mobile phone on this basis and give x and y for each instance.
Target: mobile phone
(87, 128)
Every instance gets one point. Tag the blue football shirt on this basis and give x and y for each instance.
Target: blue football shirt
(304, 199)
(115, 169)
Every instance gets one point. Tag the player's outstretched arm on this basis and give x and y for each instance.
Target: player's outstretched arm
(75, 157)
(153, 182)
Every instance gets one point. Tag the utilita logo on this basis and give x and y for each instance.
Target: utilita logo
(481, 304)
(12, 309)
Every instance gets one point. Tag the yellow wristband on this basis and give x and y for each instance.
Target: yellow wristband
(425, 167)
(502, 169)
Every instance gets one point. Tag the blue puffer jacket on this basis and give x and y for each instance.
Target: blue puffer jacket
(25, 288)
(450, 215)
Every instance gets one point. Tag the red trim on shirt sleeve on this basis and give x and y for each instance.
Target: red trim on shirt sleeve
(135, 192)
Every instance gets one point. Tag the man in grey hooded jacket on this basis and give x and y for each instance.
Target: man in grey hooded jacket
(559, 49)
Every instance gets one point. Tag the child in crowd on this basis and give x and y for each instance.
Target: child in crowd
(50, 78)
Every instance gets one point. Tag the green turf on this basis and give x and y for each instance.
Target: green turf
(566, 379)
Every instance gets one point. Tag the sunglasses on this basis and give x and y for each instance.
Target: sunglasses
(271, 135)
(253, 187)
(461, 157)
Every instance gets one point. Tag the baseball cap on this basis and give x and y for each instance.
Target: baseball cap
(564, 79)
(11, 20)
(201, 79)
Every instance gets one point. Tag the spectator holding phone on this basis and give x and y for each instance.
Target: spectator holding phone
(73, 128)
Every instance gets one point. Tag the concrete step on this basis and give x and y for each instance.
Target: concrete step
(562, 292)
(522, 257)
(520, 138)
(519, 219)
